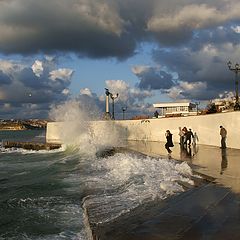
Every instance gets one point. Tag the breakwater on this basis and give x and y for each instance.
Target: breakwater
(31, 145)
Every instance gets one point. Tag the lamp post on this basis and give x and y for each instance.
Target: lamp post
(107, 113)
(124, 109)
(235, 69)
(197, 104)
(113, 97)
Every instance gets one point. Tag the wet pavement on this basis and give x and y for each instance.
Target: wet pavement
(222, 164)
(210, 211)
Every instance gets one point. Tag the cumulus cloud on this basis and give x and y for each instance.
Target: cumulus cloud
(185, 90)
(64, 74)
(66, 91)
(131, 97)
(236, 29)
(86, 91)
(37, 68)
(127, 94)
(26, 88)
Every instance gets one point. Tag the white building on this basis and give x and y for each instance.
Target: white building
(175, 109)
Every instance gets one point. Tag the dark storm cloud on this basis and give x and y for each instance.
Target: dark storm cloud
(29, 79)
(106, 28)
(195, 39)
(199, 67)
(217, 36)
(92, 28)
(153, 78)
(4, 79)
(206, 65)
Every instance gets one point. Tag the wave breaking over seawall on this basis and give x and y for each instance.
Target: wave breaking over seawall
(81, 130)
(116, 184)
(126, 181)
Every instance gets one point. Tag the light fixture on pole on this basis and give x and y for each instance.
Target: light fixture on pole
(236, 70)
(107, 113)
(113, 97)
(197, 104)
(124, 109)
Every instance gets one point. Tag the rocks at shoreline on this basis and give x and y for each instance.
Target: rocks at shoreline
(31, 145)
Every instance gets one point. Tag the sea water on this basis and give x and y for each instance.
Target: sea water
(43, 193)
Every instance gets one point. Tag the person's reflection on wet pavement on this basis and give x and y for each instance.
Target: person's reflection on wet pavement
(224, 162)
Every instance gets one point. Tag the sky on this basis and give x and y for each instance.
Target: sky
(147, 51)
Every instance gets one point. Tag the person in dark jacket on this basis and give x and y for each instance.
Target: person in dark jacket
(169, 142)
(223, 133)
(189, 136)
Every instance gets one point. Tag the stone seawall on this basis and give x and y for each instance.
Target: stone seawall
(206, 127)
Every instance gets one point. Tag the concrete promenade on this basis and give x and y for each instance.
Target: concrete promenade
(210, 211)
(222, 164)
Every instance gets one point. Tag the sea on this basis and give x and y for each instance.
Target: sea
(44, 194)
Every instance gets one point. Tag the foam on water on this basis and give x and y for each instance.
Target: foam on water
(125, 181)
(26, 151)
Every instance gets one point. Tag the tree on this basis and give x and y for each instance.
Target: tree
(211, 108)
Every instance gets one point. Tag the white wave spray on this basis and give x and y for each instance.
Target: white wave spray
(82, 129)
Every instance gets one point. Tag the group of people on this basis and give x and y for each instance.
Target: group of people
(186, 137)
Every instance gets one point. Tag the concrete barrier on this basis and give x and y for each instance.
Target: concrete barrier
(206, 127)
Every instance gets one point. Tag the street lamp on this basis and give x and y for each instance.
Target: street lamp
(124, 109)
(107, 113)
(235, 69)
(197, 104)
(113, 97)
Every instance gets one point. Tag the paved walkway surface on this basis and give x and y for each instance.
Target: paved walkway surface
(222, 164)
(211, 211)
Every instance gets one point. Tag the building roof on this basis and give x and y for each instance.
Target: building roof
(173, 104)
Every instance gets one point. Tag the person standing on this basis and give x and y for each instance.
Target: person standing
(184, 130)
(156, 114)
(181, 136)
(195, 138)
(169, 142)
(223, 133)
(189, 136)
